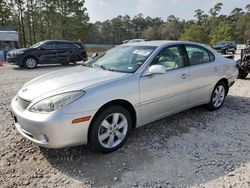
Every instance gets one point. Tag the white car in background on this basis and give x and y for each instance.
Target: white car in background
(127, 87)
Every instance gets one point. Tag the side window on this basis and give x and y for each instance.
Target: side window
(63, 45)
(49, 46)
(198, 55)
(170, 57)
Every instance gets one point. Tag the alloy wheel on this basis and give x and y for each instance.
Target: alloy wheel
(218, 96)
(30, 63)
(113, 130)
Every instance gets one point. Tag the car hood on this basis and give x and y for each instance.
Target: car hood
(15, 51)
(19, 50)
(69, 79)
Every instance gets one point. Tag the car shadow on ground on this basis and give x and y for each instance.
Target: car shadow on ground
(147, 144)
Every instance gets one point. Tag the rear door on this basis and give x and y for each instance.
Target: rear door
(63, 51)
(204, 74)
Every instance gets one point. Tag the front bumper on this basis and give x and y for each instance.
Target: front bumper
(17, 60)
(52, 130)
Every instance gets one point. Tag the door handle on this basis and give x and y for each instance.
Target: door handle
(215, 69)
(184, 76)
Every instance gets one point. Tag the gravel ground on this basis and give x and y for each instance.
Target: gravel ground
(195, 148)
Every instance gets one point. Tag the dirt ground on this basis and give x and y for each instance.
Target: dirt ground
(195, 148)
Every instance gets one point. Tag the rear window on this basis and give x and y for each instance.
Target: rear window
(79, 44)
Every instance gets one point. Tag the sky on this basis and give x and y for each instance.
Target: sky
(100, 10)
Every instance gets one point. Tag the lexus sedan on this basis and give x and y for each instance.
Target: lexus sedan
(48, 52)
(129, 86)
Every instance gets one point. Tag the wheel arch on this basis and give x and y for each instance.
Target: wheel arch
(225, 81)
(28, 56)
(124, 103)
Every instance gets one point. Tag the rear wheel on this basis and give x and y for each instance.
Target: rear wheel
(110, 129)
(218, 96)
(30, 62)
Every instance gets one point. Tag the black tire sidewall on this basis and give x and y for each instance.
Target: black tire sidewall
(211, 104)
(242, 74)
(94, 143)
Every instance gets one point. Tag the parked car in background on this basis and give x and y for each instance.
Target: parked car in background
(124, 88)
(48, 52)
(226, 46)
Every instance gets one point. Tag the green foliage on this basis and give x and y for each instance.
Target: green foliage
(223, 32)
(153, 33)
(195, 33)
(5, 13)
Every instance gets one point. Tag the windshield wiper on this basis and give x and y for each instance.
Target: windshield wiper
(86, 65)
(104, 67)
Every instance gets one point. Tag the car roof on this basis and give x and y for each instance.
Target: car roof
(158, 43)
(60, 41)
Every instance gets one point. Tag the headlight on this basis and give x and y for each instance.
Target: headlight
(55, 102)
(18, 53)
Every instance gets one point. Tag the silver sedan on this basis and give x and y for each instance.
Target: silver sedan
(126, 87)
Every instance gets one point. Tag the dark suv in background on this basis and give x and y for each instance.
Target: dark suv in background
(225, 46)
(48, 52)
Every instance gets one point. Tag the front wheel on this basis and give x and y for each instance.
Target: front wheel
(218, 96)
(110, 129)
(30, 62)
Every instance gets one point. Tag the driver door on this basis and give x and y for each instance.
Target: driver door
(48, 53)
(165, 94)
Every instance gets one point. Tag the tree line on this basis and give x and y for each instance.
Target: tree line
(37, 20)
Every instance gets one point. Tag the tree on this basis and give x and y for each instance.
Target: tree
(195, 33)
(215, 10)
(172, 29)
(223, 32)
(153, 33)
(5, 12)
(201, 17)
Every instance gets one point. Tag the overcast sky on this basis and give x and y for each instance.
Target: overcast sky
(100, 10)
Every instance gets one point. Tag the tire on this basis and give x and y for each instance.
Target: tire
(218, 96)
(242, 74)
(30, 62)
(104, 135)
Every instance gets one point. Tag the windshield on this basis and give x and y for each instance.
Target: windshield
(123, 58)
(37, 44)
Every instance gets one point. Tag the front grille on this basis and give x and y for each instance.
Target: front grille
(22, 103)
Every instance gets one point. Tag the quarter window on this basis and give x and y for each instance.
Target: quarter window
(198, 55)
(170, 57)
(65, 45)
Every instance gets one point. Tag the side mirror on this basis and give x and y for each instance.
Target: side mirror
(94, 55)
(157, 69)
